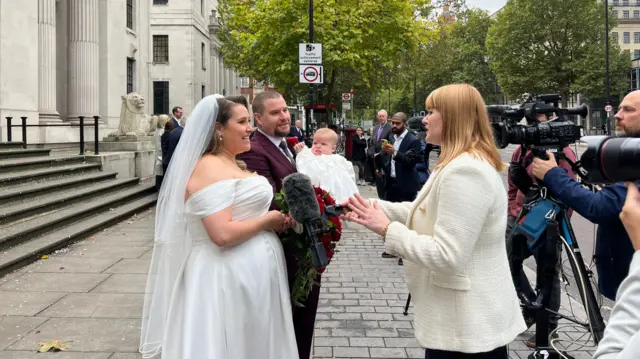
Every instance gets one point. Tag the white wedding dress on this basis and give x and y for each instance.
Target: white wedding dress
(231, 303)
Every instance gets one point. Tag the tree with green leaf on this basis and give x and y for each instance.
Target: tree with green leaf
(359, 38)
(554, 46)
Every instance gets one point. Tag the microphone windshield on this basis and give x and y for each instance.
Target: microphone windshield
(301, 198)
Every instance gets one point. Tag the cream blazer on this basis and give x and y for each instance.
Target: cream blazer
(452, 241)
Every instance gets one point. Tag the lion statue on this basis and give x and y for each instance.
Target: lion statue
(133, 120)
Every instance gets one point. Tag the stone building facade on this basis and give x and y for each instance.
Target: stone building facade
(61, 59)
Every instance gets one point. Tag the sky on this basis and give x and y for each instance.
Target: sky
(490, 5)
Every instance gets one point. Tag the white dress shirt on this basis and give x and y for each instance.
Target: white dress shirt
(396, 145)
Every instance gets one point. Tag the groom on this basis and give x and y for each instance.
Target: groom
(272, 158)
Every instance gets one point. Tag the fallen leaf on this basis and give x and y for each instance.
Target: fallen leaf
(44, 256)
(61, 268)
(91, 238)
(129, 222)
(52, 346)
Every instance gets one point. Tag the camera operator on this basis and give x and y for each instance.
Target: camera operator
(622, 335)
(520, 180)
(613, 246)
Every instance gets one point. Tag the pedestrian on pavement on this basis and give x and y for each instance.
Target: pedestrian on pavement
(217, 286)
(452, 236)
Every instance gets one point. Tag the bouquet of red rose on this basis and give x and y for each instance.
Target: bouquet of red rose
(292, 141)
(306, 275)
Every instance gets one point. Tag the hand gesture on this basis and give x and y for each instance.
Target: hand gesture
(363, 213)
(630, 215)
(274, 221)
(299, 147)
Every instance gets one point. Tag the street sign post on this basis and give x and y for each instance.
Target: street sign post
(310, 54)
(346, 106)
(310, 74)
(608, 108)
(346, 97)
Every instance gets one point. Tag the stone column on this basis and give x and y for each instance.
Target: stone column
(84, 61)
(47, 61)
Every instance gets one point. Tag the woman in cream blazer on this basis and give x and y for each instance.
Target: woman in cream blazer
(452, 236)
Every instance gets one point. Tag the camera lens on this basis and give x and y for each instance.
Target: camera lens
(620, 159)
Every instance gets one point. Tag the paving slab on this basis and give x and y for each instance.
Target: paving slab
(55, 282)
(13, 328)
(70, 264)
(53, 355)
(85, 334)
(123, 283)
(97, 305)
(27, 303)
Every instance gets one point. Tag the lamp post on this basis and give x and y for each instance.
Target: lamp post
(310, 92)
(606, 73)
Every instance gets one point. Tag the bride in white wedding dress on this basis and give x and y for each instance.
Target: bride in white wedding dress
(217, 286)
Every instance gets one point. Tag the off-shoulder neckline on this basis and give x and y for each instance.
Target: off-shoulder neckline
(217, 183)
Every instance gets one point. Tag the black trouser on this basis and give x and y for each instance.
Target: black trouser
(497, 353)
(548, 257)
(360, 166)
(395, 193)
(159, 182)
(369, 170)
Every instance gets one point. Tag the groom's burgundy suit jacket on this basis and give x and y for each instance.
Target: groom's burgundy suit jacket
(268, 161)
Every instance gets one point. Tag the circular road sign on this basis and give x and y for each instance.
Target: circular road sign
(310, 74)
(608, 108)
(346, 96)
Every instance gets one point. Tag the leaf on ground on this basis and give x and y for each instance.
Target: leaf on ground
(52, 346)
(44, 256)
(92, 238)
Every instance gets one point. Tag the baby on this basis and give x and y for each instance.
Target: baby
(327, 170)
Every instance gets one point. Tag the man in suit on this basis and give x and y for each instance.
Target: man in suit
(177, 116)
(382, 131)
(402, 182)
(296, 131)
(272, 158)
(174, 138)
(401, 178)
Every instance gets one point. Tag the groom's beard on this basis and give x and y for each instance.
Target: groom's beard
(281, 133)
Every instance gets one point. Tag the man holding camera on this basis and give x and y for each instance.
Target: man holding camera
(614, 249)
(521, 179)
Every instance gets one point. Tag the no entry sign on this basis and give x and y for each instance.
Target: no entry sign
(311, 74)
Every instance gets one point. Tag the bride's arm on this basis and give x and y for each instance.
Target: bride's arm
(225, 232)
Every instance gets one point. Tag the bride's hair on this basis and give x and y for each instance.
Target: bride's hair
(225, 107)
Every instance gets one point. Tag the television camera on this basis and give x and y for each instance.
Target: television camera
(554, 134)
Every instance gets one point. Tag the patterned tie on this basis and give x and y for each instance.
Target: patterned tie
(379, 133)
(283, 146)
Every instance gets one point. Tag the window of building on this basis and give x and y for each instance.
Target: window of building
(625, 37)
(615, 2)
(615, 14)
(161, 48)
(636, 14)
(634, 79)
(160, 97)
(614, 36)
(131, 64)
(203, 91)
(202, 56)
(636, 37)
(636, 53)
(130, 14)
(160, 2)
(625, 14)
(637, 2)
(202, 7)
(625, 2)
(244, 82)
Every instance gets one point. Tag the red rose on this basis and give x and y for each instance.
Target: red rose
(319, 191)
(326, 240)
(292, 141)
(335, 236)
(329, 200)
(330, 254)
(320, 204)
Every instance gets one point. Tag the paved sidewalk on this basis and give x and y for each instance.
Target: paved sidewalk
(90, 296)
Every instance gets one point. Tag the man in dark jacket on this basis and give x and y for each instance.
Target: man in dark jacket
(614, 249)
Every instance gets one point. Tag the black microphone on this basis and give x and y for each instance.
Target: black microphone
(303, 207)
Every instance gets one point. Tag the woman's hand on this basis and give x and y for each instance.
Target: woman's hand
(363, 213)
(274, 221)
(630, 215)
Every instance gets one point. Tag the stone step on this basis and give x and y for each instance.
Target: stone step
(14, 233)
(29, 190)
(28, 252)
(20, 153)
(20, 177)
(7, 145)
(14, 211)
(22, 164)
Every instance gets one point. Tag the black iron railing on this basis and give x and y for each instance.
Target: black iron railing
(80, 125)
